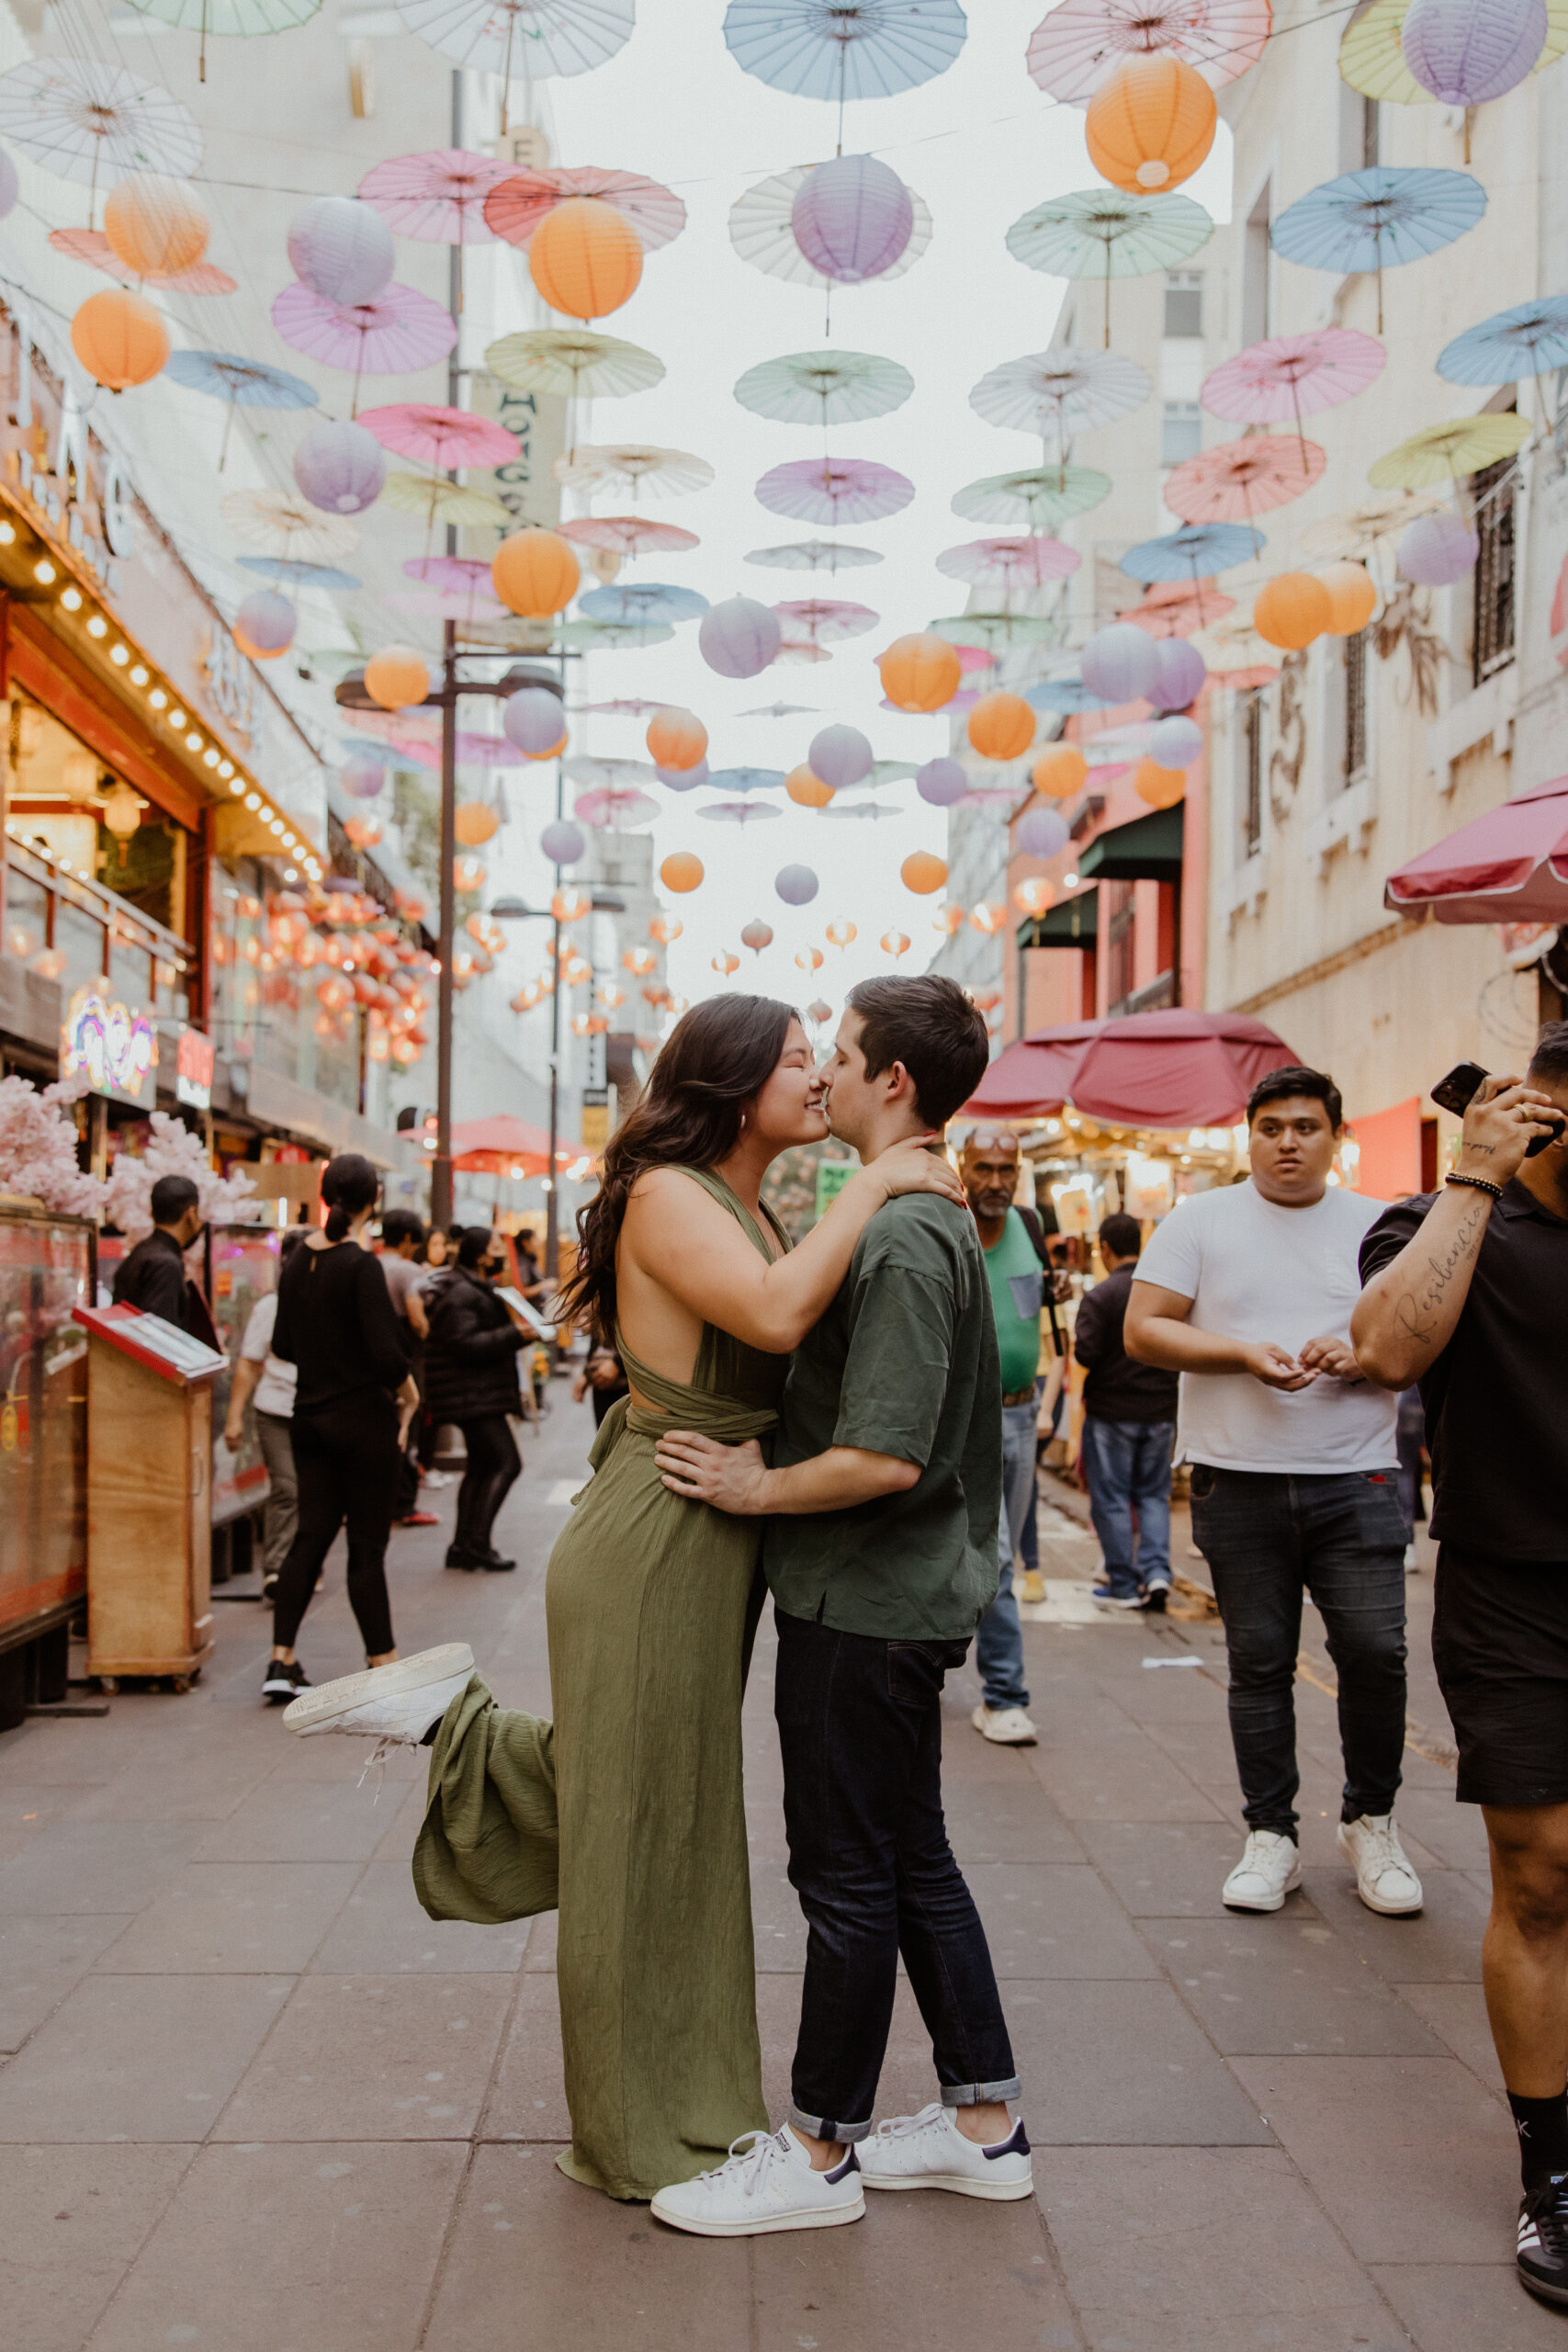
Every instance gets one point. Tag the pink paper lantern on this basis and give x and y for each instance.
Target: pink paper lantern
(1121, 663)
(683, 779)
(1465, 51)
(562, 841)
(533, 720)
(342, 249)
(340, 468)
(839, 756)
(265, 623)
(1175, 742)
(1182, 673)
(942, 782)
(1437, 550)
(1041, 834)
(362, 776)
(853, 217)
(797, 884)
(738, 637)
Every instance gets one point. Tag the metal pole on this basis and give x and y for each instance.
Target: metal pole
(441, 1175)
(552, 1198)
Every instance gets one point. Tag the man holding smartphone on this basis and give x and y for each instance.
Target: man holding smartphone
(1467, 1292)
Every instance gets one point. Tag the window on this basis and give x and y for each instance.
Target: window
(1184, 303)
(1255, 288)
(1180, 432)
(1355, 759)
(1493, 493)
(1251, 716)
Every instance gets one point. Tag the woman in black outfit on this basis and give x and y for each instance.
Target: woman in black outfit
(337, 1324)
(471, 1378)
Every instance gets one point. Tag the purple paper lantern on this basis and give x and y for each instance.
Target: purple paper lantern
(797, 884)
(839, 756)
(10, 187)
(362, 776)
(265, 623)
(1437, 550)
(341, 249)
(1465, 51)
(941, 781)
(562, 841)
(738, 637)
(852, 218)
(533, 720)
(683, 779)
(1041, 832)
(1182, 673)
(1175, 742)
(340, 468)
(1121, 663)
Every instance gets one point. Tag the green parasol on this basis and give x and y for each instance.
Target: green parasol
(1041, 496)
(228, 19)
(575, 362)
(1105, 232)
(825, 387)
(1445, 452)
(991, 629)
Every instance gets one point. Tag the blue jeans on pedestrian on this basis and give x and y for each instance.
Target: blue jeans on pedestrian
(1268, 1536)
(1127, 1465)
(998, 1643)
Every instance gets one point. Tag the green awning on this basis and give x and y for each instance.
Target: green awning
(1148, 850)
(1073, 923)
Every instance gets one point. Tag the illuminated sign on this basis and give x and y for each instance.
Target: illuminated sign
(193, 1069)
(112, 1045)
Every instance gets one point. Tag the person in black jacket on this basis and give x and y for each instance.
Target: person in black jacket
(1129, 1429)
(471, 1378)
(353, 1401)
(152, 1276)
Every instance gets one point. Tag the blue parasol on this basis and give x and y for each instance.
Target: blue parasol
(642, 600)
(244, 383)
(1378, 219)
(746, 779)
(844, 48)
(1197, 549)
(298, 575)
(1068, 697)
(1529, 339)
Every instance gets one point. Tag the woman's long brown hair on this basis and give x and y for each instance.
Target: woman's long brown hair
(717, 1059)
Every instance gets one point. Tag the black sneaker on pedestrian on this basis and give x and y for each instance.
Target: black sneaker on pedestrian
(283, 1680)
(459, 1556)
(490, 1558)
(1543, 2254)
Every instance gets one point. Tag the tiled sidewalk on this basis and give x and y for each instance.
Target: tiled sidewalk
(256, 2101)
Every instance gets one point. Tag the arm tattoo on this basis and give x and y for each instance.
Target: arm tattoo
(1414, 1309)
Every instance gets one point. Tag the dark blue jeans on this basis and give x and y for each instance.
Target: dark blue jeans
(1128, 1468)
(1268, 1537)
(860, 1725)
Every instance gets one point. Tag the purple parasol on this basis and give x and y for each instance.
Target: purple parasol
(460, 575)
(835, 489)
(1010, 562)
(398, 334)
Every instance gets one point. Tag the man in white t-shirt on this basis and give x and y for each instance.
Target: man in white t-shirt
(1248, 1293)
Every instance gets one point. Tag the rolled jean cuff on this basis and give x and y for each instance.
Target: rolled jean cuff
(980, 2094)
(822, 2127)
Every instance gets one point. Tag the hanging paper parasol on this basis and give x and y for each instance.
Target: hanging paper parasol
(615, 776)
(574, 362)
(827, 620)
(398, 334)
(1059, 394)
(286, 525)
(443, 437)
(1040, 496)
(91, 247)
(762, 229)
(82, 118)
(1240, 478)
(435, 500)
(1177, 607)
(799, 649)
(622, 812)
(815, 555)
(835, 491)
(1529, 339)
(471, 604)
(523, 199)
(781, 710)
(612, 636)
(1069, 697)
(867, 811)
(739, 812)
(994, 630)
(1445, 452)
(1196, 552)
(747, 779)
(228, 19)
(437, 195)
(665, 473)
(628, 534)
(642, 600)
(1348, 538)
(1012, 564)
(1105, 232)
(244, 383)
(455, 575)
(628, 706)
(1371, 51)
(530, 40)
(1378, 219)
(301, 576)
(1294, 376)
(1077, 46)
(843, 49)
(825, 387)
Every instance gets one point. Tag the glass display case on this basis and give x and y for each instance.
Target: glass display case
(46, 1272)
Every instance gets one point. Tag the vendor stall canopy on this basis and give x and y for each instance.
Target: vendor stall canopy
(1142, 1069)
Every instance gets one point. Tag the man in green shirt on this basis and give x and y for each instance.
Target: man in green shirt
(881, 1551)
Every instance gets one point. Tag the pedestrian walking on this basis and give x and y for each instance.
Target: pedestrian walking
(430, 1257)
(1128, 1432)
(1467, 1292)
(352, 1400)
(402, 1236)
(1247, 1292)
(152, 1276)
(266, 1383)
(470, 1377)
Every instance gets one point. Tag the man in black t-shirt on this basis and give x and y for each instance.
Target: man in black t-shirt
(1467, 1292)
(152, 1276)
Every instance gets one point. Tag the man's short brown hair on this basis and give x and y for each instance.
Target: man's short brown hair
(928, 1024)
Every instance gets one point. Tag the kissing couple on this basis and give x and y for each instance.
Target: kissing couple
(822, 1422)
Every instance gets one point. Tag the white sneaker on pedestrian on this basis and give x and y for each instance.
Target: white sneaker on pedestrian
(1384, 1880)
(1411, 1561)
(435, 1477)
(1009, 1727)
(394, 1703)
(929, 2151)
(1269, 1868)
(767, 2184)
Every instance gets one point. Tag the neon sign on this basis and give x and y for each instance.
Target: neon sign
(113, 1045)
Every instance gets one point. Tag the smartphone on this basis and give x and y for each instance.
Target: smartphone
(1454, 1092)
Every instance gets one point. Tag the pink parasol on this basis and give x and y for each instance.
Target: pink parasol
(835, 489)
(1178, 607)
(1013, 562)
(438, 196)
(460, 575)
(398, 334)
(827, 620)
(610, 806)
(92, 246)
(1241, 479)
(514, 208)
(1077, 46)
(628, 534)
(802, 650)
(444, 438)
(451, 606)
(1294, 376)
(1510, 865)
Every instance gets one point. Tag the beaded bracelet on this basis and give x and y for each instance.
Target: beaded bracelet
(1477, 1183)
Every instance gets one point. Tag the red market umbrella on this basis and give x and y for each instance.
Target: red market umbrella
(1510, 865)
(498, 1146)
(1144, 1070)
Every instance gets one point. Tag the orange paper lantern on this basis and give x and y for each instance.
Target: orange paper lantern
(1352, 597)
(922, 873)
(474, 823)
(535, 572)
(120, 338)
(468, 873)
(1151, 125)
(1161, 787)
(396, 677)
(808, 791)
(724, 962)
(1290, 610)
(1001, 726)
(154, 225)
(585, 257)
(1032, 898)
(680, 871)
(676, 738)
(921, 672)
(1059, 771)
(896, 943)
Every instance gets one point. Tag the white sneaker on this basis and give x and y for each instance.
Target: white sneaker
(394, 1703)
(1009, 1727)
(1411, 1561)
(435, 1477)
(1269, 1868)
(767, 2184)
(1384, 1880)
(929, 2151)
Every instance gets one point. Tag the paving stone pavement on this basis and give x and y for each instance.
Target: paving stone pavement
(252, 2099)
